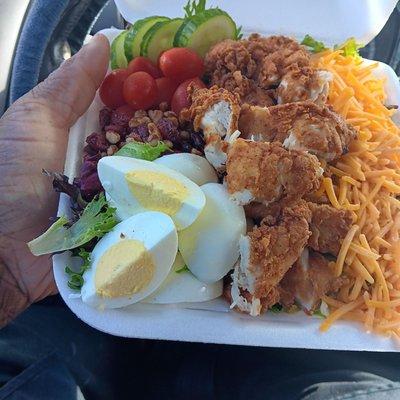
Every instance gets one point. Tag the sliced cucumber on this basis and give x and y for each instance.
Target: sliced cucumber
(118, 59)
(135, 35)
(203, 30)
(159, 37)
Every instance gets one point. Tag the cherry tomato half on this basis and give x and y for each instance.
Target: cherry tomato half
(166, 89)
(111, 88)
(181, 63)
(180, 98)
(143, 64)
(140, 90)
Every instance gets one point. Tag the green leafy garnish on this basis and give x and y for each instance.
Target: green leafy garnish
(238, 33)
(97, 219)
(276, 308)
(183, 269)
(193, 7)
(143, 151)
(350, 47)
(319, 314)
(314, 45)
(75, 281)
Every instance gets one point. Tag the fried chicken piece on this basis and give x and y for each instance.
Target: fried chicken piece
(229, 56)
(273, 56)
(309, 280)
(275, 65)
(259, 211)
(262, 46)
(252, 67)
(329, 227)
(266, 172)
(216, 151)
(259, 306)
(267, 253)
(305, 83)
(298, 126)
(216, 112)
(247, 89)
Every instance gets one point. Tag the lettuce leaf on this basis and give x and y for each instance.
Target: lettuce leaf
(97, 219)
(75, 281)
(350, 47)
(143, 151)
(319, 314)
(314, 45)
(276, 308)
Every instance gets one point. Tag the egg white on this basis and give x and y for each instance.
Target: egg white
(194, 167)
(183, 287)
(122, 213)
(210, 246)
(112, 171)
(158, 234)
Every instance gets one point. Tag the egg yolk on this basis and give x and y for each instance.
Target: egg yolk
(157, 191)
(124, 269)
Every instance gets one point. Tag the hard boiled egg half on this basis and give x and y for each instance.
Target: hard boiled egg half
(182, 286)
(210, 246)
(131, 261)
(139, 185)
(194, 167)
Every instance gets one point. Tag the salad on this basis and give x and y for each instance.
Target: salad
(245, 168)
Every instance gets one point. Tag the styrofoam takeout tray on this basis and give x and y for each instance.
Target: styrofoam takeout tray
(210, 322)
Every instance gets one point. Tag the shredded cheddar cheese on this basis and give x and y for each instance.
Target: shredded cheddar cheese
(365, 181)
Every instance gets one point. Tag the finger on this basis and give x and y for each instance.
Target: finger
(67, 92)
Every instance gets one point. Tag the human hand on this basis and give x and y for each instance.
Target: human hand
(33, 135)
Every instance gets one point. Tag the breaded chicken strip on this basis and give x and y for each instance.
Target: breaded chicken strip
(216, 112)
(262, 46)
(267, 253)
(252, 67)
(305, 83)
(276, 65)
(329, 227)
(309, 280)
(298, 126)
(247, 89)
(266, 172)
(229, 56)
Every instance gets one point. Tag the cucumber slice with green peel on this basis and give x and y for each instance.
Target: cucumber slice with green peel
(159, 37)
(135, 35)
(118, 59)
(201, 31)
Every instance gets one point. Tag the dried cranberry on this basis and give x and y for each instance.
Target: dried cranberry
(141, 131)
(120, 118)
(87, 168)
(97, 141)
(90, 186)
(186, 147)
(104, 117)
(197, 140)
(135, 136)
(168, 130)
(92, 157)
(88, 152)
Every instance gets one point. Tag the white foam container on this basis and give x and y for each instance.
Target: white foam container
(212, 322)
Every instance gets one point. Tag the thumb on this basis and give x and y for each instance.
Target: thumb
(67, 92)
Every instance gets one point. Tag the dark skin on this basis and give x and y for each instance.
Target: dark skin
(34, 135)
